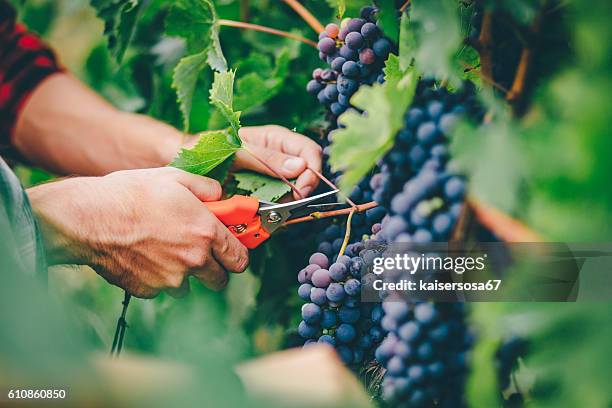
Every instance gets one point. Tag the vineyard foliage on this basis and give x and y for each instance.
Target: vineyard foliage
(541, 154)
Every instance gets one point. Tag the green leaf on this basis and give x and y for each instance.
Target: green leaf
(493, 158)
(184, 81)
(196, 22)
(261, 186)
(339, 5)
(222, 97)
(437, 32)
(407, 44)
(388, 19)
(255, 88)
(366, 138)
(119, 18)
(213, 149)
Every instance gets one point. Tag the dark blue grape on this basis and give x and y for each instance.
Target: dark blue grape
(327, 45)
(350, 69)
(304, 291)
(327, 339)
(355, 24)
(382, 47)
(307, 331)
(311, 313)
(370, 31)
(328, 319)
(348, 314)
(454, 189)
(345, 86)
(337, 63)
(353, 40)
(352, 287)
(348, 53)
(314, 87)
(335, 292)
(427, 133)
(318, 296)
(345, 333)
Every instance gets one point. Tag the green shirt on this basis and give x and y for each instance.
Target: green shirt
(18, 228)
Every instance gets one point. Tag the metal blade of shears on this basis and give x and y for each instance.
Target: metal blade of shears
(273, 216)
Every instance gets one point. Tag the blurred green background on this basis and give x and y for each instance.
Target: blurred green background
(549, 168)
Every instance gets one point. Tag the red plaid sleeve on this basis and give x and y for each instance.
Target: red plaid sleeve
(24, 62)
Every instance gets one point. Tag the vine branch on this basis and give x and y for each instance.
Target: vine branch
(334, 213)
(505, 227)
(306, 15)
(517, 90)
(404, 6)
(264, 29)
(484, 45)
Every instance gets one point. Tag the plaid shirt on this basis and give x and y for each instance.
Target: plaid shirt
(24, 63)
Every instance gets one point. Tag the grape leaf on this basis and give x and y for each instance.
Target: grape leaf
(196, 22)
(406, 43)
(437, 34)
(119, 18)
(367, 137)
(222, 97)
(213, 149)
(261, 186)
(184, 81)
(388, 19)
(254, 89)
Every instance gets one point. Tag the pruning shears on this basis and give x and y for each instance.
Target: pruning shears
(252, 220)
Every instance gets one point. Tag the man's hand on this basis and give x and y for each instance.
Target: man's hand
(142, 230)
(287, 152)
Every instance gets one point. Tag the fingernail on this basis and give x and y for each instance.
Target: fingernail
(293, 164)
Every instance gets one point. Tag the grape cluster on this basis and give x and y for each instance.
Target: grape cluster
(355, 51)
(423, 142)
(424, 354)
(334, 313)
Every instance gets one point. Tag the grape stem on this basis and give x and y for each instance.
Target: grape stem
(334, 213)
(404, 6)
(306, 15)
(276, 173)
(257, 27)
(484, 45)
(517, 90)
(332, 185)
(347, 234)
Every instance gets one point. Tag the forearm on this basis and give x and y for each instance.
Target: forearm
(68, 129)
(58, 209)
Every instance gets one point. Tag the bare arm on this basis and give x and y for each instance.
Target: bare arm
(68, 129)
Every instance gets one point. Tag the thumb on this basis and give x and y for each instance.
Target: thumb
(206, 189)
(287, 165)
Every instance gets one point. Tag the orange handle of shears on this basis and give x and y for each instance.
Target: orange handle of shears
(239, 214)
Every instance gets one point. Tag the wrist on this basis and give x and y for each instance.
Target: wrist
(57, 207)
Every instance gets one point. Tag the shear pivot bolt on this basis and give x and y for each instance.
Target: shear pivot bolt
(274, 217)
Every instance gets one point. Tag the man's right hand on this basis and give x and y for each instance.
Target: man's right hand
(143, 230)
